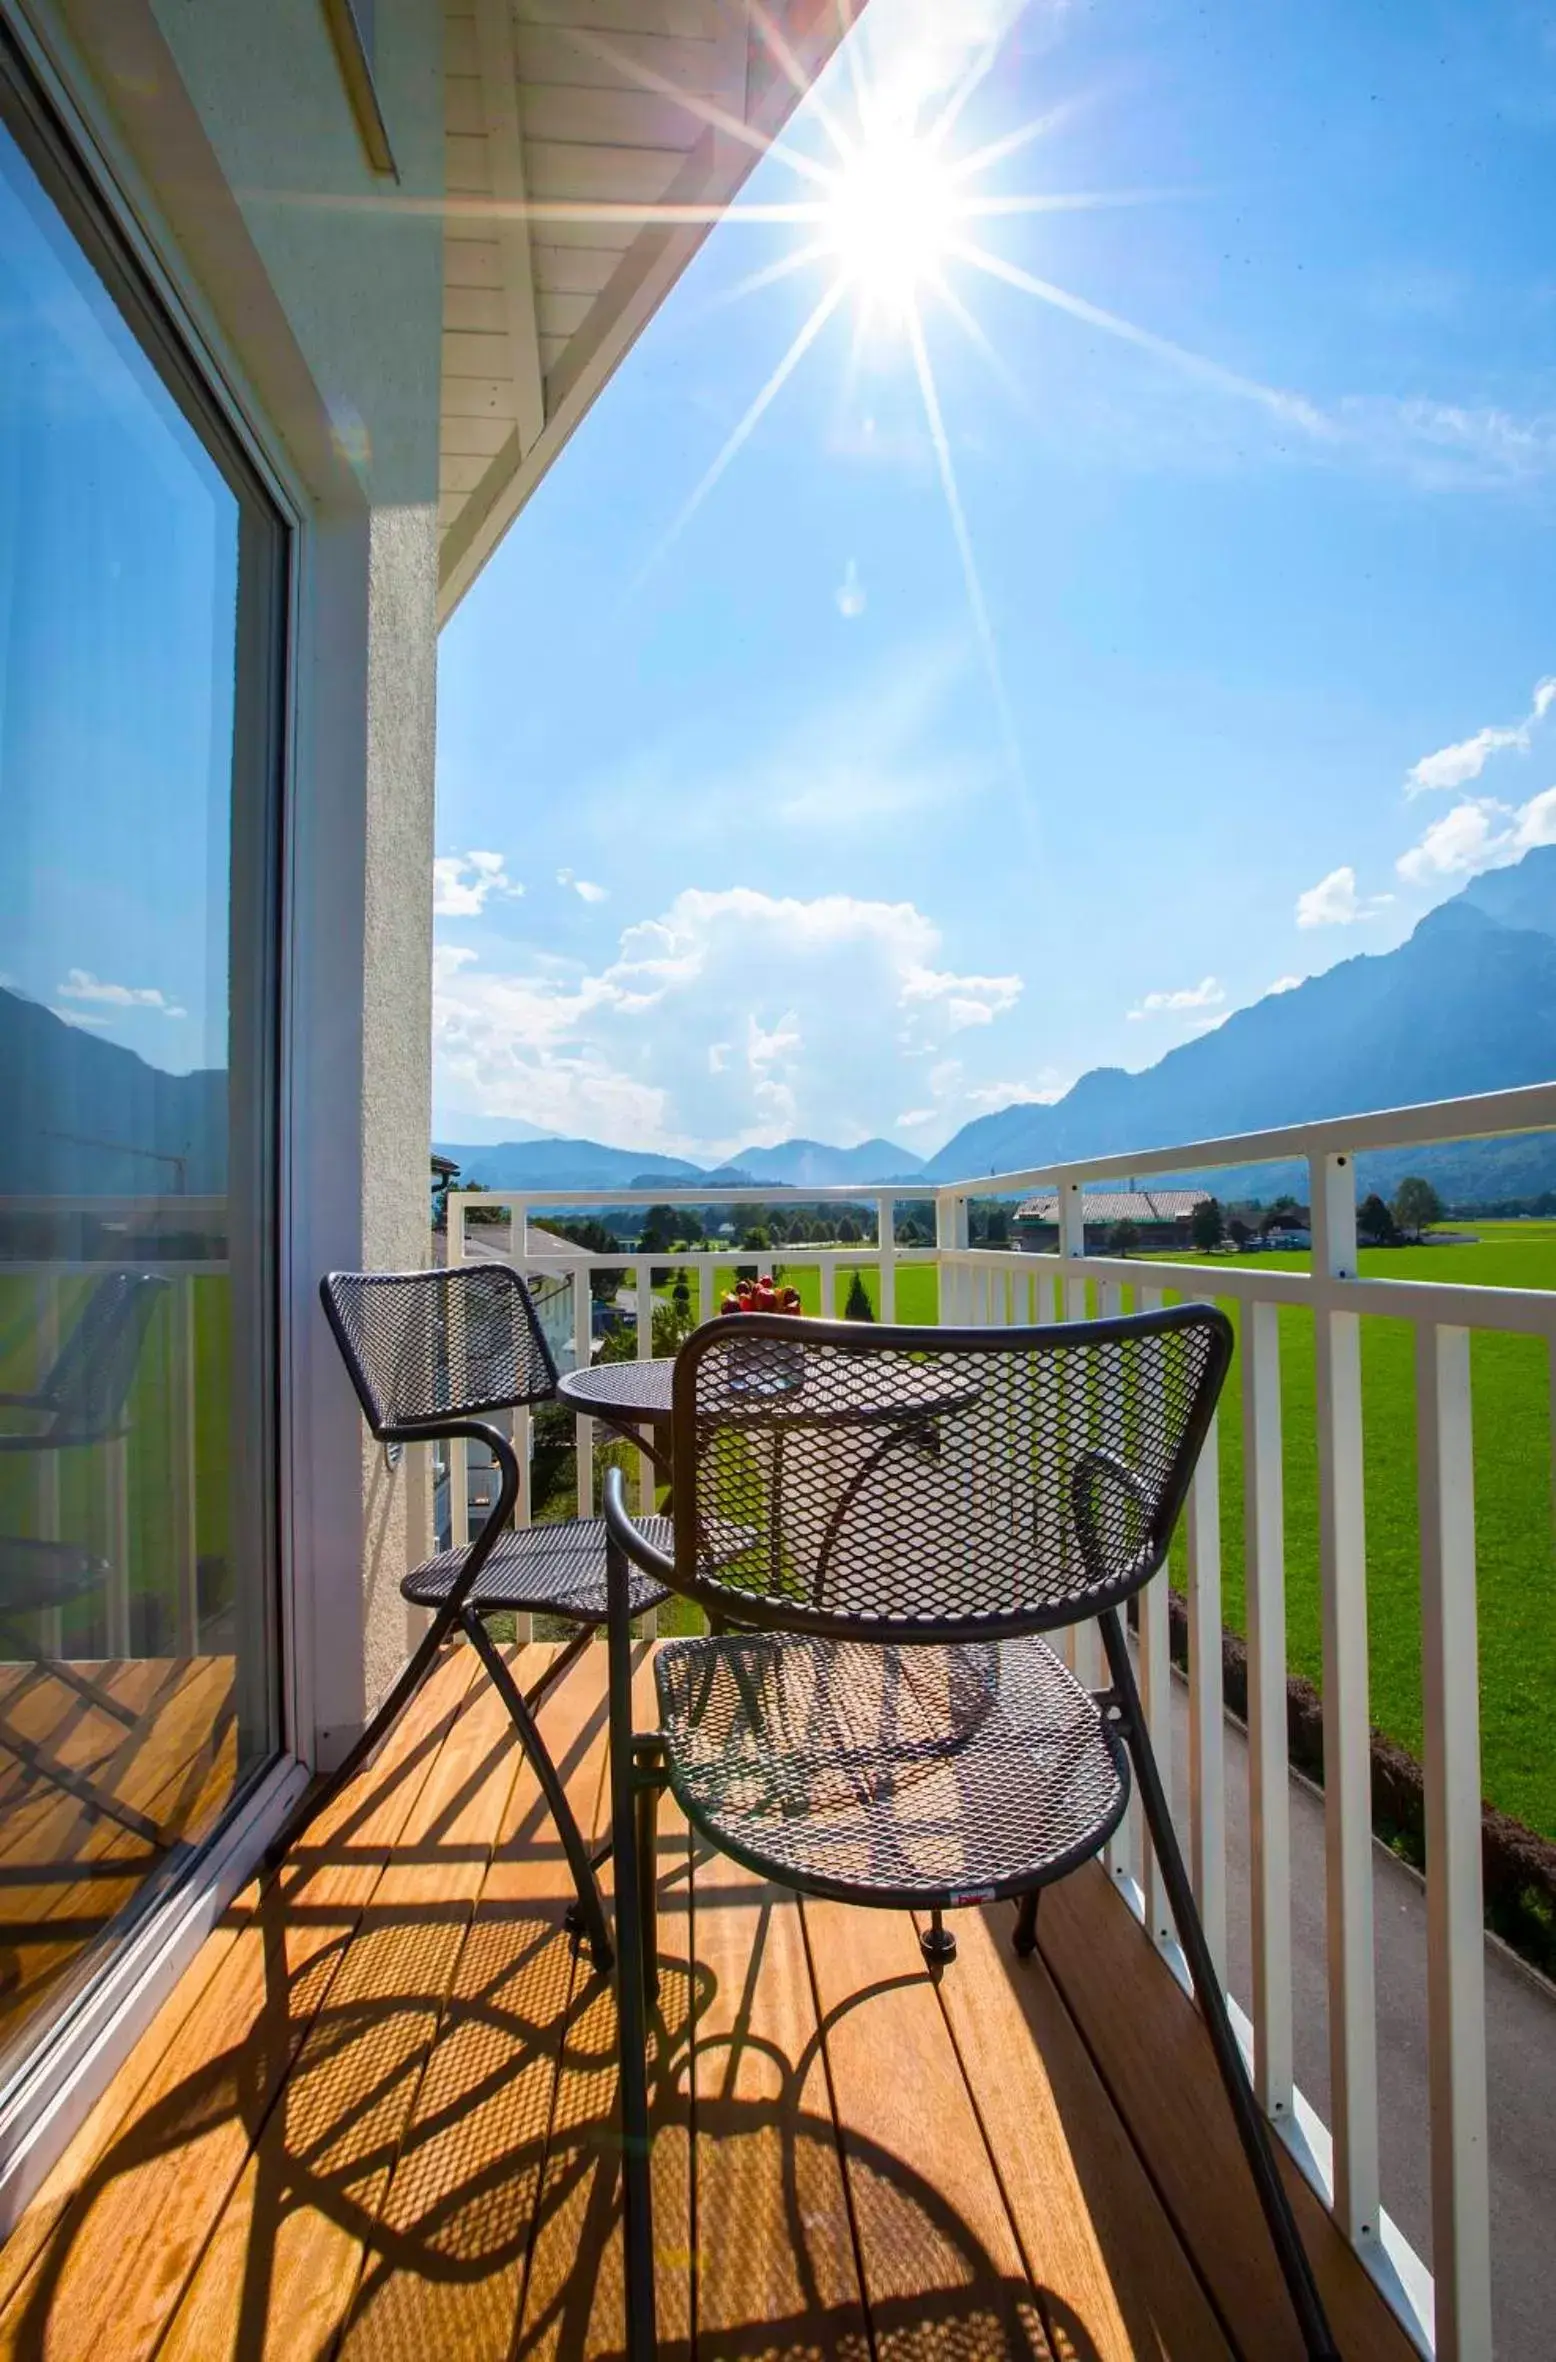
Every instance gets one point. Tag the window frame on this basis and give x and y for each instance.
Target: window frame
(60, 2056)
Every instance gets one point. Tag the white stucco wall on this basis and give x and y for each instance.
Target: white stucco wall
(320, 287)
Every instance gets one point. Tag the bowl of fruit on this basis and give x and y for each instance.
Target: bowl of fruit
(764, 1365)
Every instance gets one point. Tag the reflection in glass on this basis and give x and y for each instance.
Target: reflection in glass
(137, 573)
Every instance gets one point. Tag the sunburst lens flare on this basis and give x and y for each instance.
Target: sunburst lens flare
(890, 218)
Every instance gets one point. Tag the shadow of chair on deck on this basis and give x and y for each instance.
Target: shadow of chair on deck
(398, 2078)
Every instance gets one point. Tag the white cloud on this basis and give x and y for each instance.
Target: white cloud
(81, 985)
(463, 884)
(1334, 901)
(1283, 984)
(1479, 834)
(734, 1016)
(849, 596)
(1453, 766)
(585, 888)
(912, 1117)
(1203, 995)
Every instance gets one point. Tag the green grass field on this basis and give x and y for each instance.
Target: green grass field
(1515, 1535)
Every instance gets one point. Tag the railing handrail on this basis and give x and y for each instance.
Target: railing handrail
(1483, 1116)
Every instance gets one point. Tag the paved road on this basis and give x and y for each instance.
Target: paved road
(1520, 2040)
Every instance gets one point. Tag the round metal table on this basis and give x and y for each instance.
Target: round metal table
(634, 1397)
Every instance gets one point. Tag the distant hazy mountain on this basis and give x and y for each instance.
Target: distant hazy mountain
(564, 1164)
(1467, 1004)
(811, 1164)
(84, 1117)
(549, 1163)
(489, 1131)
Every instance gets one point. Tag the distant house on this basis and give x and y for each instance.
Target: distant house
(1161, 1217)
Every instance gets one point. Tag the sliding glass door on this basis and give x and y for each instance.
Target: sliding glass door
(142, 573)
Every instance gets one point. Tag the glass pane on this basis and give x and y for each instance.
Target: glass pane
(136, 1595)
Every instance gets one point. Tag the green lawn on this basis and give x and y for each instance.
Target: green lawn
(1516, 1562)
(1513, 1498)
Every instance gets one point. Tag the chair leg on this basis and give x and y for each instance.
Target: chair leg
(1025, 1938)
(591, 1909)
(648, 1756)
(1252, 2129)
(937, 1943)
(637, 2192)
(417, 1666)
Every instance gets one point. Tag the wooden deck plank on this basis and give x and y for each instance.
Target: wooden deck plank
(126, 2236)
(379, 2116)
(75, 1869)
(1151, 2051)
(569, 2313)
(37, 1706)
(78, 1734)
(1114, 2280)
(943, 2270)
(776, 2268)
(176, 1773)
(279, 2273)
(444, 2274)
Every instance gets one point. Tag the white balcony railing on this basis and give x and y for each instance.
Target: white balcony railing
(1448, 2311)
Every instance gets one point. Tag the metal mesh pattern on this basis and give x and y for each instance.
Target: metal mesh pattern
(938, 1484)
(904, 1775)
(424, 1346)
(555, 1568)
(86, 1389)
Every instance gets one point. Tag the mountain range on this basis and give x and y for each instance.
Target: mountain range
(1466, 1004)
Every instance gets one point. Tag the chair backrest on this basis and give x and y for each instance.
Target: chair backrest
(89, 1384)
(935, 1484)
(425, 1347)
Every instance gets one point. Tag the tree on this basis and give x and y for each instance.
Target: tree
(858, 1306)
(1375, 1223)
(681, 1298)
(847, 1231)
(756, 1240)
(1238, 1232)
(1125, 1238)
(661, 1228)
(1206, 1227)
(1416, 1205)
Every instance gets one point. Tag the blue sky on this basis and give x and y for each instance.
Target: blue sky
(747, 828)
(118, 583)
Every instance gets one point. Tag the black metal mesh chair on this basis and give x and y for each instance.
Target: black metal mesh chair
(431, 1354)
(81, 1402)
(890, 1725)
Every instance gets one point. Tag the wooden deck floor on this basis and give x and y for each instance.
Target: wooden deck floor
(376, 2118)
(65, 1870)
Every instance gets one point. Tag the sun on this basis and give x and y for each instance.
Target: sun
(889, 218)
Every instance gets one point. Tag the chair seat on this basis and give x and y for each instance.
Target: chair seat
(554, 1568)
(45, 1574)
(913, 1776)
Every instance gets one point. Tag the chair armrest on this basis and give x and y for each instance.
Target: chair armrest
(629, 1538)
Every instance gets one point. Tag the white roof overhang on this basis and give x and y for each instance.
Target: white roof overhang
(591, 145)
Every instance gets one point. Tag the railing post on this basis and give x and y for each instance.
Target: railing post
(583, 1355)
(886, 1243)
(184, 1469)
(950, 1234)
(1207, 1727)
(1353, 2038)
(1072, 1244)
(1269, 1781)
(1155, 1644)
(458, 1450)
(1455, 1945)
(645, 1296)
